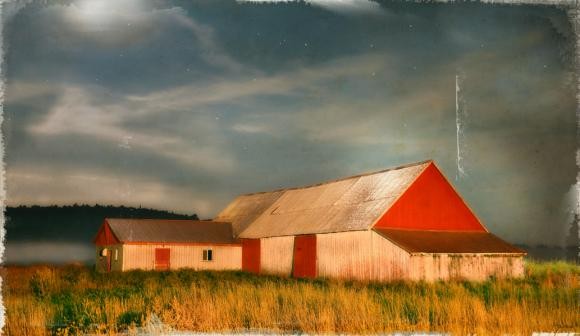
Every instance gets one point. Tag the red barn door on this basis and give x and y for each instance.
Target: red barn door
(304, 256)
(251, 255)
(162, 257)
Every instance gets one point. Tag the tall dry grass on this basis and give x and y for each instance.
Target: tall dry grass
(44, 300)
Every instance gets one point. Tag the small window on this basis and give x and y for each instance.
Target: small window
(104, 252)
(116, 254)
(207, 255)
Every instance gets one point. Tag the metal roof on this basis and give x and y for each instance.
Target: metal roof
(416, 241)
(243, 210)
(348, 204)
(170, 231)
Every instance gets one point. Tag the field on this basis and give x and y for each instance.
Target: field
(70, 300)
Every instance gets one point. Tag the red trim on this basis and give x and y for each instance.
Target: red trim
(430, 203)
(251, 255)
(304, 265)
(179, 243)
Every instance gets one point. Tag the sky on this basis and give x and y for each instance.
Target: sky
(183, 105)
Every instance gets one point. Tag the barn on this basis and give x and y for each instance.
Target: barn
(406, 222)
(153, 244)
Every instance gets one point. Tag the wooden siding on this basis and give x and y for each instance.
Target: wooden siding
(183, 256)
(477, 267)
(362, 255)
(365, 255)
(276, 255)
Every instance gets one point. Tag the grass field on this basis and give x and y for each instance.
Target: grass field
(70, 300)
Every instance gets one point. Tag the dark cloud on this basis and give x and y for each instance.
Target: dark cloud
(184, 105)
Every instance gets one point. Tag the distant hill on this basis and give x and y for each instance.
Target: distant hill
(75, 223)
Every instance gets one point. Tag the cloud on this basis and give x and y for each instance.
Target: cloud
(24, 91)
(104, 15)
(45, 186)
(349, 6)
(211, 52)
(337, 6)
(288, 83)
(78, 112)
(108, 23)
(110, 20)
(251, 129)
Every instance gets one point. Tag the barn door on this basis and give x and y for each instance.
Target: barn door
(251, 255)
(108, 258)
(162, 257)
(304, 256)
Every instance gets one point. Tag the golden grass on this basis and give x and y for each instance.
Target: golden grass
(47, 300)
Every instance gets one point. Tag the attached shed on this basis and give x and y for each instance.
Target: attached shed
(406, 222)
(153, 244)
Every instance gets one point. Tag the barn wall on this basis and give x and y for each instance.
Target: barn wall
(183, 256)
(101, 262)
(362, 255)
(276, 255)
(365, 255)
(465, 266)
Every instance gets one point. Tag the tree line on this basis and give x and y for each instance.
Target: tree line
(70, 223)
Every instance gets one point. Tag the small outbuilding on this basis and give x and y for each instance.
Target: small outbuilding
(160, 244)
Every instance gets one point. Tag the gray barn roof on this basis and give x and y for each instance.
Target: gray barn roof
(170, 231)
(243, 210)
(349, 204)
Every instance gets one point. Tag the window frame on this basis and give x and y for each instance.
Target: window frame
(207, 255)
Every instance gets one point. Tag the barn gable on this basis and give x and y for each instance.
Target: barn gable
(349, 204)
(430, 203)
(105, 235)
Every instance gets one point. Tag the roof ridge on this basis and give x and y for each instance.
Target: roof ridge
(408, 165)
